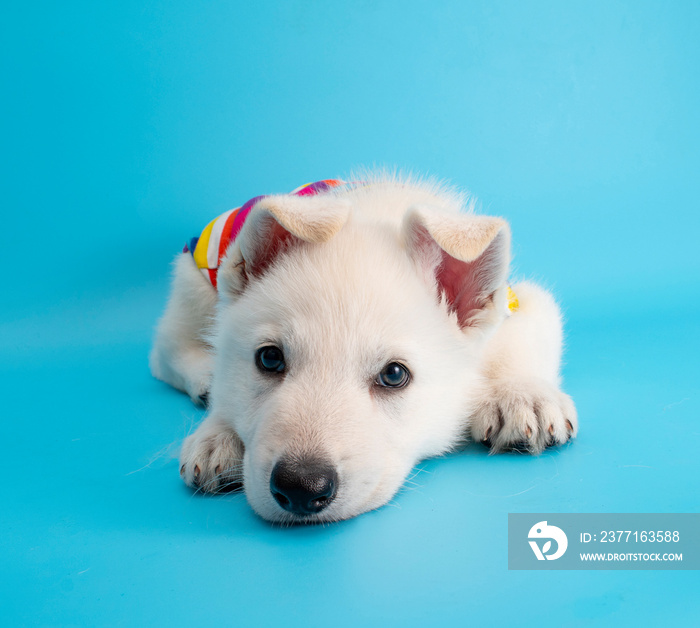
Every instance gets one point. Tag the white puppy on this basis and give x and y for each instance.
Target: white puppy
(353, 330)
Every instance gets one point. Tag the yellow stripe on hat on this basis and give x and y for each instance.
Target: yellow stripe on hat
(301, 187)
(513, 303)
(200, 252)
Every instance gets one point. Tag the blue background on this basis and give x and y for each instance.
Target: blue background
(127, 126)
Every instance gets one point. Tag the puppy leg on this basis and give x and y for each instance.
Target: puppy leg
(211, 459)
(181, 355)
(521, 403)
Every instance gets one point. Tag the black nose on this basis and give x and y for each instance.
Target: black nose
(303, 487)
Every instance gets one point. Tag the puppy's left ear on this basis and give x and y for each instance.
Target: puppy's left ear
(275, 225)
(466, 256)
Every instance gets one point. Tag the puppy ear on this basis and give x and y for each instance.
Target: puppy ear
(467, 256)
(276, 224)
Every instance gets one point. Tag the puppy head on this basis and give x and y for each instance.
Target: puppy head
(347, 349)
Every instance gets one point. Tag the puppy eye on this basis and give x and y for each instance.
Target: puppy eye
(393, 375)
(270, 359)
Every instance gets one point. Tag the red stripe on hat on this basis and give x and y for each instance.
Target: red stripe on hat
(212, 276)
(226, 234)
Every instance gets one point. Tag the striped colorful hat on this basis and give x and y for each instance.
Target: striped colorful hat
(208, 249)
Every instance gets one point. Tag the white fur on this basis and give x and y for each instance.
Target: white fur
(355, 289)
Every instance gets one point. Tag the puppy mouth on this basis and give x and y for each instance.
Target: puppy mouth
(289, 519)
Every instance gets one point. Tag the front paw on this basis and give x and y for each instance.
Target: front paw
(523, 414)
(211, 459)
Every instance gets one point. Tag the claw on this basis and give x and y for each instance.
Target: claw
(488, 433)
(217, 471)
(197, 471)
(550, 429)
(528, 431)
(569, 426)
(182, 470)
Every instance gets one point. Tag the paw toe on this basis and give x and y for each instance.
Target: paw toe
(530, 417)
(211, 462)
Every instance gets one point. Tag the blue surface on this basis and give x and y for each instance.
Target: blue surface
(127, 126)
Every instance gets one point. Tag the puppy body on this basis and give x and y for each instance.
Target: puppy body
(345, 283)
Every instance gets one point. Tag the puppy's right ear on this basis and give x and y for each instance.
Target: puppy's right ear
(277, 224)
(465, 256)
